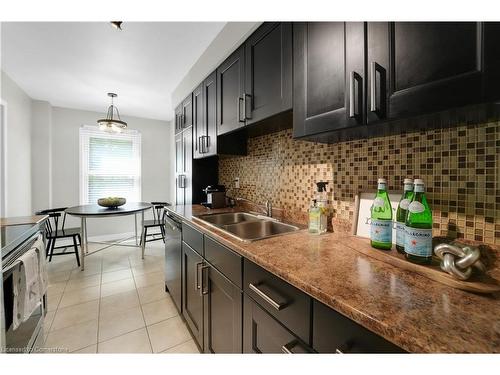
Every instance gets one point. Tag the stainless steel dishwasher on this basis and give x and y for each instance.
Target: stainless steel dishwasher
(173, 258)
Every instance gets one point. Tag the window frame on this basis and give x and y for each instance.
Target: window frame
(85, 133)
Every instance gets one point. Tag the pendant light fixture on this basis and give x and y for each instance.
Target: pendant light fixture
(111, 123)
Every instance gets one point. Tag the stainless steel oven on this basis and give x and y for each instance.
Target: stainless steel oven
(29, 335)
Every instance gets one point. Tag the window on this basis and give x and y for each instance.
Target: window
(110, 165)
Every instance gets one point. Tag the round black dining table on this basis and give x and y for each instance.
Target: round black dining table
(87, 211)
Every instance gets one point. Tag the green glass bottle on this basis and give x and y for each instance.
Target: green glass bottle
(381, 218)
(401, 214)
(418, 236)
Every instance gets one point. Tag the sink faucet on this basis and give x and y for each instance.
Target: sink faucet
(268, 210)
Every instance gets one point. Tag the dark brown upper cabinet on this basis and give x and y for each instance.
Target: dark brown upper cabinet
(491, 32)
(422, 67)
(268, 71)
(328, 63)
(178, 118)
(199, 127)
(205, 117)
(230, 92)
(187, 112)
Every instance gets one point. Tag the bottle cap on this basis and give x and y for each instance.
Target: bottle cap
(418, 181)
(408, 181)
(382, 181)
(321, 186)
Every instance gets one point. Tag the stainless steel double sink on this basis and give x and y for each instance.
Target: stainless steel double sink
(247, 227)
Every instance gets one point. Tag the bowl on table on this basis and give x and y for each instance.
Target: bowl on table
(111, 202)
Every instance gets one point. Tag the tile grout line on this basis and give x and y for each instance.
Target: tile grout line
(140, 305)
(176, 345)
(99, 310)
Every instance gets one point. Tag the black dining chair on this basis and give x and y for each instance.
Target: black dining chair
(159, 210)
(54, 232)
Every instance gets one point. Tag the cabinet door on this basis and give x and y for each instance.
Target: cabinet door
(187, 139)
(268, 71)
(422, 67)
(179, 169)
(263, 334)
(230, 92)
(178, 118)
(187, 111)
(210, 113)
(199, 125)
(223, 313)
(334, 333)
(192, 300)
(328, 76)
(491, 60)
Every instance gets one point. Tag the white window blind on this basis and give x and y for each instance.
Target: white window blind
(110, 165)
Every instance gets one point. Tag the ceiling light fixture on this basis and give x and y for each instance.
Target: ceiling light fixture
(116, 24)
(110, 123)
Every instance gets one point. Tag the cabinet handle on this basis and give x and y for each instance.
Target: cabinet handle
(239, 109)
(288, 348)
(246, 107)
(197, 278)
(373, 86)
(182, 181)
(355, 77)
(342, 349)
(278, 306)
(207, 143)
(204, 286)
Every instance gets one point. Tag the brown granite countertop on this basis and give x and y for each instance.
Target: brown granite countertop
(21, 220)
(407, 309)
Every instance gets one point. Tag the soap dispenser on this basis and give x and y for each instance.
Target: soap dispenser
(318, 212)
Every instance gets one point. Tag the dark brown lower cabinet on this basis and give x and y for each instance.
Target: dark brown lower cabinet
(222, 313)
(263, 334)
(334, 333)
(192, 299)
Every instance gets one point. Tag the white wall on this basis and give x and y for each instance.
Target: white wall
(229, 38)
(41, 155)
(18, 148)
(157, 141)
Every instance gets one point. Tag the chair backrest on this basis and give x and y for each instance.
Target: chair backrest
(159, 210)
(52, 224)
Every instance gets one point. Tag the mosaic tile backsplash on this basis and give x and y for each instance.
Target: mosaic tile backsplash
(460, 167)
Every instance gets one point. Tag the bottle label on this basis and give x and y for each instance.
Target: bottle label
(381, 230)
(400, 234)
(408, 187)
(419, 188)
(416, 207)
(381, 186)
(418, 242)
(404, 204)
(378, 202)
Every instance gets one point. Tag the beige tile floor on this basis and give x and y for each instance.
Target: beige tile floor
(117, 305)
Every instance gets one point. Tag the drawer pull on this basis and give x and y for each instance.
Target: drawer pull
(295, 344)
(342, 349)
(277, 305)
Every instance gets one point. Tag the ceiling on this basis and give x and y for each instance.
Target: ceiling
(75, 64)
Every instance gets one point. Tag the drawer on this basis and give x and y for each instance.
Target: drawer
(193, 238)
(225, 260)
(263, 334)
(286, 303)
(334, 333)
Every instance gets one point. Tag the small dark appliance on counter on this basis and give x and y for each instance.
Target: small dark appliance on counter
(216, 196)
